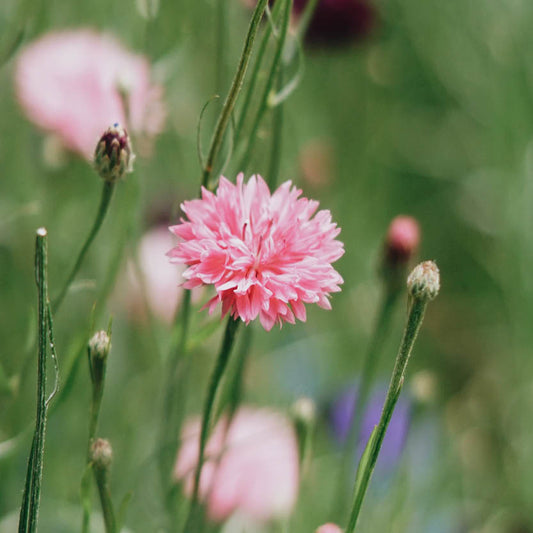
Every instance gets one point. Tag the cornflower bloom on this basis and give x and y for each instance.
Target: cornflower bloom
(75, 83)
(265, 254)
(251, 467)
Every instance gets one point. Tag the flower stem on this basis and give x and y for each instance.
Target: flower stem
(235, 89)
(277, 132)
(32, 490)
(250, 91)
(264, 101)
(415, 316)
(370, 364)
(101, 476)
(214, 384)
(105, 199)
(221, 43)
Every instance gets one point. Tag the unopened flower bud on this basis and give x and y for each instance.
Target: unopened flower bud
(101, 454)
(98, 350)
(424, 281)
(113, 156)
(403, 238)
(303, 413)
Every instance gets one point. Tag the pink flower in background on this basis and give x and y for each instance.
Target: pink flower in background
(403, 238)
(251, 467)
(329, 528)
(69, 83)
(161, 279)
(266, 254)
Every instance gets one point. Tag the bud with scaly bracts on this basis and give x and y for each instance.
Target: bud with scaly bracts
(113, 156)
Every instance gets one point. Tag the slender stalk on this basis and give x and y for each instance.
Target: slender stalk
(306, 17)
(221, 40)
(32, 491)
(105, 199)
(368, 372)
(368, 461)
(236, 388)
(264, 101)
(98, 349)
(277, 141)
(214, 385)
(102, 482)
(250, 91)
(235, 89)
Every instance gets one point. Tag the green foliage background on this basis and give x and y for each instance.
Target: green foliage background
(431, 116)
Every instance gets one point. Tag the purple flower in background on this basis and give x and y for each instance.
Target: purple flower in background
(341, 414)
(338, 22)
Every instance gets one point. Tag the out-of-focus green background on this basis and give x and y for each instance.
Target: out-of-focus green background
(432, 116)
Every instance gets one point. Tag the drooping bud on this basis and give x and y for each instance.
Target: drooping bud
(113, 156)
(424, 281)
(101, 454)
(98, 350)
(303, 412)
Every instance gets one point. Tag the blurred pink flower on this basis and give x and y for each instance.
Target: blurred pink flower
(264, 253)
(161, 279)
(403, 238)
(69, 83)
(251, 467)
(329, 528)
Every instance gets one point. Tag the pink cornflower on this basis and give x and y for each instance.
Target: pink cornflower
(265, 254)
(251, 468)
(329, 528)
(69, 83)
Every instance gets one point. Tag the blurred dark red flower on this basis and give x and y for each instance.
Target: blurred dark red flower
(339, 22)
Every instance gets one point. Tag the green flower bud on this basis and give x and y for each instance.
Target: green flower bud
(98, 350)
(101, 454)
(424, 281)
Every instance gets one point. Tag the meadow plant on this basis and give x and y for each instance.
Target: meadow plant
(262, 252)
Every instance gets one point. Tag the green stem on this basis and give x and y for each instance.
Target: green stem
(264, 101)
(97, 369)
(277, 132)
(366, 466)
(214, 384)
(235, 89)
(102, 482)
(220, 43)
(32, 491)
(306, 17)
(107, 194)
(250, 91)
(236, 389)
(365, 386)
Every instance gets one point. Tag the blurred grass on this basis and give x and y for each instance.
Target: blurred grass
(431, 116)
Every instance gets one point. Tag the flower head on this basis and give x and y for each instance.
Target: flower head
(76, 83)
(265, 254)
(251, 467)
